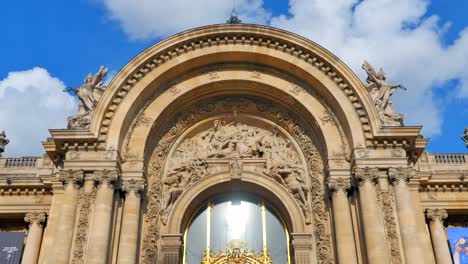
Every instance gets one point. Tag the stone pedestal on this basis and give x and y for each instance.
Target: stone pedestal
(72, 181)
(170, 249)
(438, 235)
(33, 242)
(342, 220)
(409, 230)
(130, 221)
(374, 231)
(302, 245)
(99, 235)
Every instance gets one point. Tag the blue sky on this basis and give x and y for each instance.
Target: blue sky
(53, 44)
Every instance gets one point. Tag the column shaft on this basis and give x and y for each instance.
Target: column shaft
(128, 243)
(409, 230)
(66, 227)
(374, 232)
(438, 235)
(99, 235)
(346, 246)
(33, 242)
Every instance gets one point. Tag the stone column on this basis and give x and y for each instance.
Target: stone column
(343, 224)
(438, 235)
(372, 224)
(33, 242)
(409, 230)
(63, 243)
(130, 221)
(99, 235)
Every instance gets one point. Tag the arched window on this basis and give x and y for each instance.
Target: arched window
(233, 226)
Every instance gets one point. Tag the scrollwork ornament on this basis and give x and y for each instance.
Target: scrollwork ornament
(366, 174)
(436, 214)
(35, 218)
(133, 186)
(74, 177)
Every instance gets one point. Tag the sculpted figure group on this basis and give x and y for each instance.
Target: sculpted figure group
(381, 91)
(235, 141)
(89, 94)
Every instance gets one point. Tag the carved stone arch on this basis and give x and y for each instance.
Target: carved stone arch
(292, 124)
(148, 72)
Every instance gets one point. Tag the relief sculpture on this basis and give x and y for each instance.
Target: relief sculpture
(236, 141)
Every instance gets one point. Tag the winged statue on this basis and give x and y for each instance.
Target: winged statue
(381, 91)
(89, 94)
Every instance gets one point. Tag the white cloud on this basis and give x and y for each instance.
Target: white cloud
(154, 18)
(31, 102)
(394, 34)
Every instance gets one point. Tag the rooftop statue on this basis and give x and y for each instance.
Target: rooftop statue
(464, 137)
(89, 94)
(3, 142)
(381, 91)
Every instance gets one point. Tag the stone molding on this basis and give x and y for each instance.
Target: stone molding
(35, 218)
(74, 177)
(108, 177)
(436, 214)
(366, 174)
(339, 184)
(133, 186)
(397, 174)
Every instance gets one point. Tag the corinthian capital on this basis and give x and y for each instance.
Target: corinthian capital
(74, 177)
(366, 174)
(37, 218)
(397, 174)
(108, 177)
(133, 186)
(436, 214)
(339, 184)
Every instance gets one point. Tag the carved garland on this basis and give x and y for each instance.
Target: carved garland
(85, 201)
(209, 108)
(227, 39)
(386, 200)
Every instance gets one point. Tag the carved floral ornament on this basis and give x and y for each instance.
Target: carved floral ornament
(240, 145)
(436, 214)
(74, 177)
(35, 218)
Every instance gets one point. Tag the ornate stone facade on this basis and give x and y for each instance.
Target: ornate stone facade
(276, 117)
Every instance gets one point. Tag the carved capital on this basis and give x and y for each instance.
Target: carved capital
(366, 174)
(108, 177)
(397, 174)
(436, 214)
(35, 218)
(74, 177)
(133, 186)
(339, 184)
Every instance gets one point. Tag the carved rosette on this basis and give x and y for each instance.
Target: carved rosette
(339, 184)
(74, 177)
(316, 186)
(366, 174)
(133, 186)
(400, 174)
(35, 218)
(108, 177)
(436, 215)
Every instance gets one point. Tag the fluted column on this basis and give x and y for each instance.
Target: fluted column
(130, 221)
(374, 232)
(72, 181)
(33, 242)
(344, 234)
(99, 235)
(438, 235)
(409, 230)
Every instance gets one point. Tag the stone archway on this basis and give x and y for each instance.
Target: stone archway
(314, 218)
